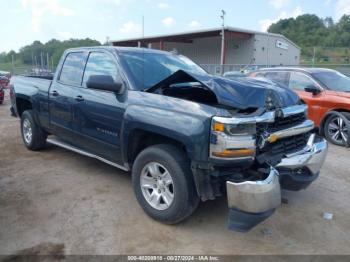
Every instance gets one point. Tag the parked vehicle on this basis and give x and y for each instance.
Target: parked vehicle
(325, 91)
(234, 74)
(185, 135)
(2, 95)
(4, 81)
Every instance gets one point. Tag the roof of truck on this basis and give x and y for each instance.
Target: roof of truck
(119, 49)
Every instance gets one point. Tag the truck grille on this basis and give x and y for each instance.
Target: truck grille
(274, 152)
(281, 123)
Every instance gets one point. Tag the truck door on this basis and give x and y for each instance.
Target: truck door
(62, 95)
(101, 112)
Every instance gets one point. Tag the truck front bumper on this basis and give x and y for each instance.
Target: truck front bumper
(251, 202)
(300, 169)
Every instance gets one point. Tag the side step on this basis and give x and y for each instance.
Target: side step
(57, 142)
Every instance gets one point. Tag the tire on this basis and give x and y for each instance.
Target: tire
(334, 134)
(161, 159)
(33, 136)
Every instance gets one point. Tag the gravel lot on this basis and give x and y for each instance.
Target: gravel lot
(55, 201)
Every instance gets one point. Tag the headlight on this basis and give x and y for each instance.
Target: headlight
(230, 141)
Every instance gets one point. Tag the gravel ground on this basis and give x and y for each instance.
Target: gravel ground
(58, 202)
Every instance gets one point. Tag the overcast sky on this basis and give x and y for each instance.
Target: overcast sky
(23, 21)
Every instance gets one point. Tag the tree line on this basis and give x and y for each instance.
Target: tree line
(311, 31)
(37, 52)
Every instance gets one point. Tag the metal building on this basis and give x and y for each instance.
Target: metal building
(241, 48)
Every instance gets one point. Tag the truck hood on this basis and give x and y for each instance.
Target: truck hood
(240, 94)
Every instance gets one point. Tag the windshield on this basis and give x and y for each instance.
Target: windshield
(334, 80)
(148, 69)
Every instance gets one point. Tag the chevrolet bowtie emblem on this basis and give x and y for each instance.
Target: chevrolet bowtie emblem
(272, 138)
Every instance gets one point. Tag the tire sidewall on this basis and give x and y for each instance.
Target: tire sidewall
(181, 193)
(27, 115)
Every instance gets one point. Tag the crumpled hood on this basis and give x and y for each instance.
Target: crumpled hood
(241, 94)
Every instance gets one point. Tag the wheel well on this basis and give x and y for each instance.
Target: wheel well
(329, 113)
(140, 139)
(22, 105)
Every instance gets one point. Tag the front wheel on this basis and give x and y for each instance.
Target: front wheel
(336, 129)
(163, 184)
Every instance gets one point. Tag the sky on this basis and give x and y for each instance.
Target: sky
(24, 21)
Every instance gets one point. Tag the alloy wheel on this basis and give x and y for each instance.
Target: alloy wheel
(27, 131)
(338, 130)
(157, 186)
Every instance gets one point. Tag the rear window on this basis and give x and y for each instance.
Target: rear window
(73, 68)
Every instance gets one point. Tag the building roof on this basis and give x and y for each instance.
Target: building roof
(177, 37)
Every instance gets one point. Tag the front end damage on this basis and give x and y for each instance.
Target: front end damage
(253, 158)
(263, 144)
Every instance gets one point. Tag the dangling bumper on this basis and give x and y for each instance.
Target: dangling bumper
(251, 202)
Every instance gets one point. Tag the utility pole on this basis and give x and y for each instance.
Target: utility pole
(41, 60)
(32, 60)
(13, 64)
(313, 57)
(47, 61)
(223, 51)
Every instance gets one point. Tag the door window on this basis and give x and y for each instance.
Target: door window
(100, 64)
(278, 77)
(73, 68)
(298, 81)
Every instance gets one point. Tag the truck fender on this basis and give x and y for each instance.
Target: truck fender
(189, 130)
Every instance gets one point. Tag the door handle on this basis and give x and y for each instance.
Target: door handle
(55, 93)
(79, 98)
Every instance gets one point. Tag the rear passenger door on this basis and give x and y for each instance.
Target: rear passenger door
(101, 112)
(62, 95)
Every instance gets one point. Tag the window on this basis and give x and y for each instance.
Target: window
(333, 80)
(100, 64)
(149, 68)
(298, 81)
(73, 68)
(278, 77)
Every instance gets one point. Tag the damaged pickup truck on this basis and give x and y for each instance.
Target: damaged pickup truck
(185, 135)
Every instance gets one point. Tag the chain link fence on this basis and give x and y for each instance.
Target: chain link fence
(215, 69)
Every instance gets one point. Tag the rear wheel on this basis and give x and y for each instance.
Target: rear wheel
(163, 184)
(33, 136)
(336, 129)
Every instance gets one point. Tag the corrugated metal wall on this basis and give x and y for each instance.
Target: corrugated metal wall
(267, 53)
(259, 49)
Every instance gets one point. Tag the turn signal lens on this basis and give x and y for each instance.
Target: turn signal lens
(235, 152)
(219, 127)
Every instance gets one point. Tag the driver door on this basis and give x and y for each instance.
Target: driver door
(298, 82)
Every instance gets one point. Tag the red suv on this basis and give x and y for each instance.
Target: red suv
(325, 91)
(4, 81)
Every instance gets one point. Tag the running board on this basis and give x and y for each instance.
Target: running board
(57, 142)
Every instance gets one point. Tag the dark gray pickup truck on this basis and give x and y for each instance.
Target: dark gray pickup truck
(185, 135)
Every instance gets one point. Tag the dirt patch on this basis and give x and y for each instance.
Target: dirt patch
(42, 252)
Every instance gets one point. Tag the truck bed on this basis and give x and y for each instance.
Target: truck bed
(30, 85)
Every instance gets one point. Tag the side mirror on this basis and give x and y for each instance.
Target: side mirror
(104, 82)
(312, 89)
